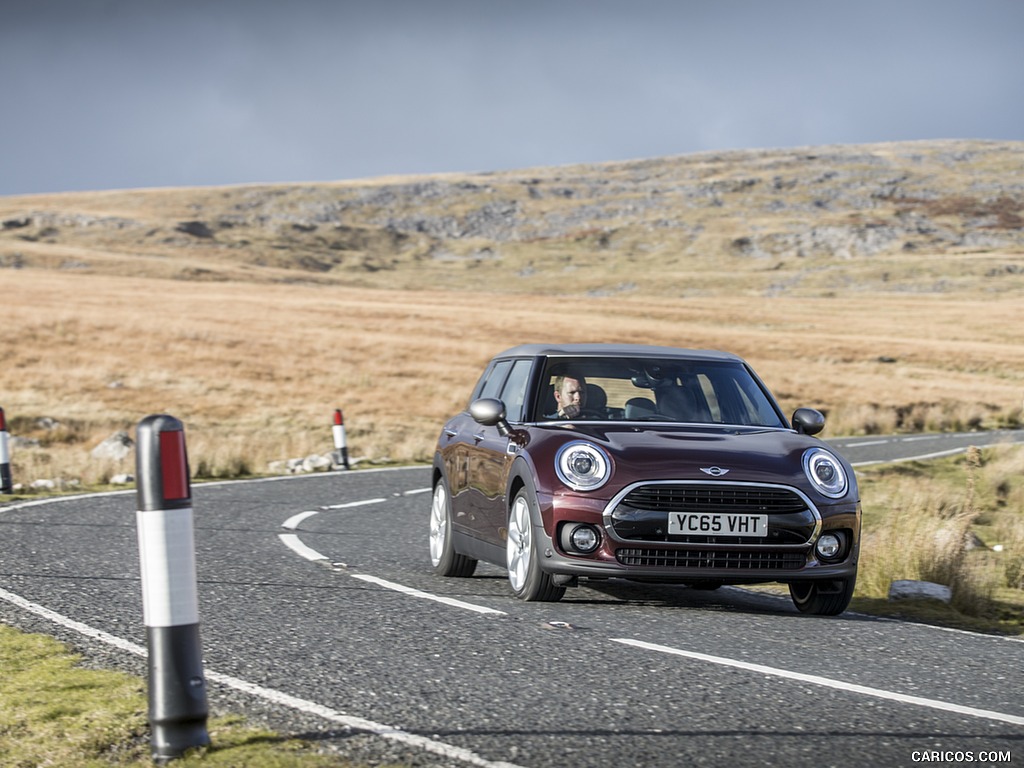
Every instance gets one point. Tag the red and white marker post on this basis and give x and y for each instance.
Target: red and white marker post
(177, 688)
(6, 486)
(340, 443)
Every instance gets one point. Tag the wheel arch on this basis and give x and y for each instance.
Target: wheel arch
(520, 477)
(438, 471)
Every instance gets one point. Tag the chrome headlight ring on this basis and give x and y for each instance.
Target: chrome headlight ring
(825, 472)
(582, 466)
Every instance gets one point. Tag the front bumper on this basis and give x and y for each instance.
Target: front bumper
(692, 561)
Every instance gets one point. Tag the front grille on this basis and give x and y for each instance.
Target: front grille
(643, 513)
(717, 497)
(724, 559)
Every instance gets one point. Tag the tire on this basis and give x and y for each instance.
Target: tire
(443, 557)
(825, 597)
(706, 586)
(525, 576)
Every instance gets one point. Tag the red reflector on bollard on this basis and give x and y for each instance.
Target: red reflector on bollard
(174, 466)
(338, 418)
(3, 421)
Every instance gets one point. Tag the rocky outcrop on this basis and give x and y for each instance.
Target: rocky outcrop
(834, 204)
(117, 447)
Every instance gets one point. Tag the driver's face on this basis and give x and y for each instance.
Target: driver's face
(571, 393)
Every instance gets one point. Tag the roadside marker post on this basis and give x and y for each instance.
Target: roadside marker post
(6, 485)
(340, 443)
(177, 687)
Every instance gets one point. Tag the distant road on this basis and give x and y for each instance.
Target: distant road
(864, 451)
(319, 612)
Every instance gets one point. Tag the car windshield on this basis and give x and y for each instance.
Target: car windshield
(666, 390)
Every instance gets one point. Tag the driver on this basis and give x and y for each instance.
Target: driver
(570, 396)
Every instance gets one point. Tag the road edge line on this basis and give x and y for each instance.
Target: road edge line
(268, 694)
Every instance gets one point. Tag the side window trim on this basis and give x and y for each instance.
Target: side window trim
(516, 402)
(492, 385)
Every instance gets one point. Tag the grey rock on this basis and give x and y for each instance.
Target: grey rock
(195, 228)
(919, 590)
(316, 462)
(117, 447)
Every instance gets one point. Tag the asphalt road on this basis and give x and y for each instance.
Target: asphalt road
(319, 614)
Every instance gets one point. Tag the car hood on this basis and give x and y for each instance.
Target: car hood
(740, 454)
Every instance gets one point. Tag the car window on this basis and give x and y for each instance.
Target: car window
(513, 394)
(674, 390)
(496, 377)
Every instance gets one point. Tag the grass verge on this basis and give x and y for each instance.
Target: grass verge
(957, 521)
(58, 713)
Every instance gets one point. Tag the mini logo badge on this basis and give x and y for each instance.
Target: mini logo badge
(714, 471)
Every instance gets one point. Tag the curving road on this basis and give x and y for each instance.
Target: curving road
(319, 613)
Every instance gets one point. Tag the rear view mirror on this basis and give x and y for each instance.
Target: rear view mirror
(491, 413)
(808, 421)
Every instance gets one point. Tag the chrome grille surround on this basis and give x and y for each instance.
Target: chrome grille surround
(713, 496)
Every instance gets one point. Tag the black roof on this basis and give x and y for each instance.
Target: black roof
(616, 350)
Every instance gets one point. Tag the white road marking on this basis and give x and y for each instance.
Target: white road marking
(447, 751)
(293, 522)
(921, 457)
(829, 683)
(350, 504)
(866, 442)
(293, 543)
(76, 626)
(414, 491)
(426, 595)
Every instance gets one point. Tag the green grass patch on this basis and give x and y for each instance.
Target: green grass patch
(58, 713)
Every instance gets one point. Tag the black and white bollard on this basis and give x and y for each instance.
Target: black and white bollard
(177, 689)
(6, 486)
(340, 443)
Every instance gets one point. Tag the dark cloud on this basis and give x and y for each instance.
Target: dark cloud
(133, 93)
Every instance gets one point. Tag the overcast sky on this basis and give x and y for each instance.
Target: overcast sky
(148, 93)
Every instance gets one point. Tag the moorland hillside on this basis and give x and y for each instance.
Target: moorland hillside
(920, 217)
(882, 283)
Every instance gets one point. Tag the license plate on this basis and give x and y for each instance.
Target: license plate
(717, 524)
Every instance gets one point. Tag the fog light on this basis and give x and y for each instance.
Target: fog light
(584, 539)
(829, 546)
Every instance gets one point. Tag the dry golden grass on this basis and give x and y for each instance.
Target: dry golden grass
(256, 370)
(956, 522)
(880, 283)
(883, 284)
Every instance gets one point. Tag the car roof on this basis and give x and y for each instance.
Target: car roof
(615, 350)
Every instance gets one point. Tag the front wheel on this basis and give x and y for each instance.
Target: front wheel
(525, 576)
(824, 597)
(444, 558)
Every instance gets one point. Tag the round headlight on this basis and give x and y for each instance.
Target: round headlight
(582, 466)
(825, 472)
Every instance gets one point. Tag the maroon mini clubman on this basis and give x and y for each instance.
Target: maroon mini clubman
(654, 464)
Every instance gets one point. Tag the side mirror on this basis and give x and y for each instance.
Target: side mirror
(808, 421)
(491, 413)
